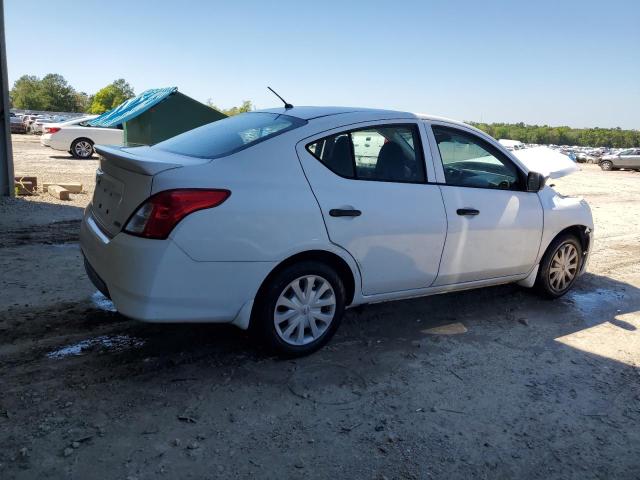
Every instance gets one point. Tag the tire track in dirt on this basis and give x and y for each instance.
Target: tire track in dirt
(57, 232)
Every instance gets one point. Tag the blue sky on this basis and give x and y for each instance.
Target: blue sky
(559, 62)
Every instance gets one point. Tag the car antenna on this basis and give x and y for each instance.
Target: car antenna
(287, 105)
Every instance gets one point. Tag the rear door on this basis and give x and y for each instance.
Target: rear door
(370, 183)
(494, 226)
(106, 135)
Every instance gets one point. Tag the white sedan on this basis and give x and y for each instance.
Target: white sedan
(77, 137)
(277, 220)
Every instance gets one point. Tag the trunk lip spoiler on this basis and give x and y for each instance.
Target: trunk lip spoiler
(132, 162)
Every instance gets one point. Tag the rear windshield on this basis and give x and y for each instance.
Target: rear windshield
(229, 135)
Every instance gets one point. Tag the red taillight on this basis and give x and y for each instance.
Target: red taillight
(156, 217)
(51, 129)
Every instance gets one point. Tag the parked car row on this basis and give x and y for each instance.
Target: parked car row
(32, 123)
(606, 158)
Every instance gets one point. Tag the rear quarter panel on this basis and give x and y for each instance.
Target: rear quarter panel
(270, 215)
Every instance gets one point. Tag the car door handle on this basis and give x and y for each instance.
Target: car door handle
(344, 212)
(467, 211)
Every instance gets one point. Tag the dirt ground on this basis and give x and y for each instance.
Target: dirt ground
(507, 385)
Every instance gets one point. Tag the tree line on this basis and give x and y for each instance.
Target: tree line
(52, 93)
(544, 134)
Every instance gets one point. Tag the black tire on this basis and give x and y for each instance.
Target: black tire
(78, 151)
(606, 165)
(263, 328)
(543, 281)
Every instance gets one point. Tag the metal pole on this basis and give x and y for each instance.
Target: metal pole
(6, 155)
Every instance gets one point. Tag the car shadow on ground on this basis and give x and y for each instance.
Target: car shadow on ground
(491, 315)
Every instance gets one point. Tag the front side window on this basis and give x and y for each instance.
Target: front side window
(230, 135)
(390, 153)
(469, 161)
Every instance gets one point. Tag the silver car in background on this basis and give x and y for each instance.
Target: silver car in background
(629, 159)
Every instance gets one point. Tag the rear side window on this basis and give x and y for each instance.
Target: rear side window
(387, 153)
(230, 135)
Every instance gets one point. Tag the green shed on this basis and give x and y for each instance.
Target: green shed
(157, 114)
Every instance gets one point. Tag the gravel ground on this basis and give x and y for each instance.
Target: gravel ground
(492, 383)
(32, 159)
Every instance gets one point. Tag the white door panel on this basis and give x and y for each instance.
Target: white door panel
(502, 239)
(398, 238)
(106, 136)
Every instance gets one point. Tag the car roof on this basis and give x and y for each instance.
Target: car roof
(309, 113)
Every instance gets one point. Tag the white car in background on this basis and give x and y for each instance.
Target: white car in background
(37, 125)
(512, 145)
(275, 221)
(78, 138)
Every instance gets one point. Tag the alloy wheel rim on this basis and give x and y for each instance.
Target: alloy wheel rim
(304, 310)
(84, 149)
(564, 267)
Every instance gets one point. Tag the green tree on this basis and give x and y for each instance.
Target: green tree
(111, 96)
(544, 134)
(56, 93)
(246, 106)
(83, 102)
(26, 93)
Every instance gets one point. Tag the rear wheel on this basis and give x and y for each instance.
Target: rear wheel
(560, 266)
(300, 309)
(606, 165)
(82, 148)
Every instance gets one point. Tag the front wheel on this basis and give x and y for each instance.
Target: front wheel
(82, 148)
(560, 266)
(606, 165)
(300, 309)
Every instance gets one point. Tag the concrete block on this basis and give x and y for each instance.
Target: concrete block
(58, 192)
(73, 187)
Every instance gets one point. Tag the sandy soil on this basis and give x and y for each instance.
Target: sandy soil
(507, 386)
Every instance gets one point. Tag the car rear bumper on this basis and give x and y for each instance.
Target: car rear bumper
(45, 140)
(155, 281)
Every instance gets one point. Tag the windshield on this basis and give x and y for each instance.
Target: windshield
(230, 135)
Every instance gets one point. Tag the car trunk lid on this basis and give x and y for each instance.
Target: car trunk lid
(124, 180)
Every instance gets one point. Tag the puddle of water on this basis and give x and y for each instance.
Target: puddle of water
(105, 342)
(590, 302)
(102, 302)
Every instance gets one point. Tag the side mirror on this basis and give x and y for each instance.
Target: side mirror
(535, 182)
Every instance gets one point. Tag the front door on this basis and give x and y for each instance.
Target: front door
(494, 225)
(370, 183)
(629, 159)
